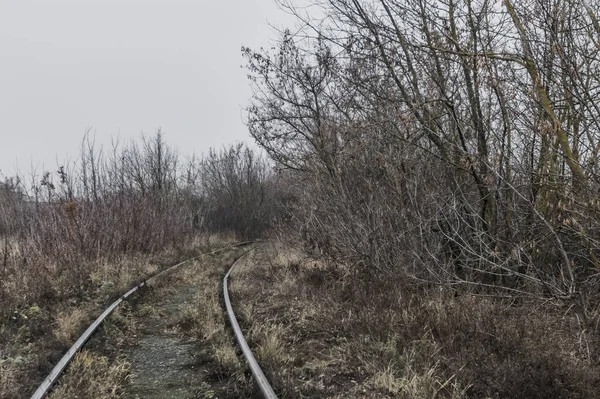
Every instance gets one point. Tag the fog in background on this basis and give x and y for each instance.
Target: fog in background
(121, 68)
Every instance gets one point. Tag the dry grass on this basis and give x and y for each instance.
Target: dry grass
(224, 374)
(226, 357)
(8, 375)
(272, 345)
(206, 316)
(111, 278)
(92, 376)
(100, 370)
(69, 325)
(216, 240)
(321, 331)
(34, 337)
(202, 317)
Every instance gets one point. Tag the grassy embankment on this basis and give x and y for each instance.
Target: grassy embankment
(321, 331)
(35, 335)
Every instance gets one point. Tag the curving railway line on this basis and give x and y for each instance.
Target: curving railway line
(261, 381)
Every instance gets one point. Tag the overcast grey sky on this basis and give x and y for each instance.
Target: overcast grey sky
(123, 67)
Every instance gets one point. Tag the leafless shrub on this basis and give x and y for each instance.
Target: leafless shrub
(451, 143)
(239, 192)
(135, 198)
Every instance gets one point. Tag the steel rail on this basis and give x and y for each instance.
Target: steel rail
(259, 376)
(43, 389)
(45, 386)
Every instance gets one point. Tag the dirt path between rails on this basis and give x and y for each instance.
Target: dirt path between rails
(164, 362)
(170, 341)
(174, 355)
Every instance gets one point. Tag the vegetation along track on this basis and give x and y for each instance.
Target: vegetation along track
(170, 340)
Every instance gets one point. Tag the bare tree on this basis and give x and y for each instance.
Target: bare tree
(238, 191)
(449, 141)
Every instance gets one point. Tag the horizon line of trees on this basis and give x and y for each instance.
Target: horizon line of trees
(141, 197)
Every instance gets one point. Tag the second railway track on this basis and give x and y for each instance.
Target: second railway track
(172, 340)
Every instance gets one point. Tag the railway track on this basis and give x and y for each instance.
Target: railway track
(259, 376)
(260, 380)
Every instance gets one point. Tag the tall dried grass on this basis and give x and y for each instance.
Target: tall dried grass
(351, 336)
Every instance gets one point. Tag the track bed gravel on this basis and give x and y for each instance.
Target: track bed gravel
(164, 362)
